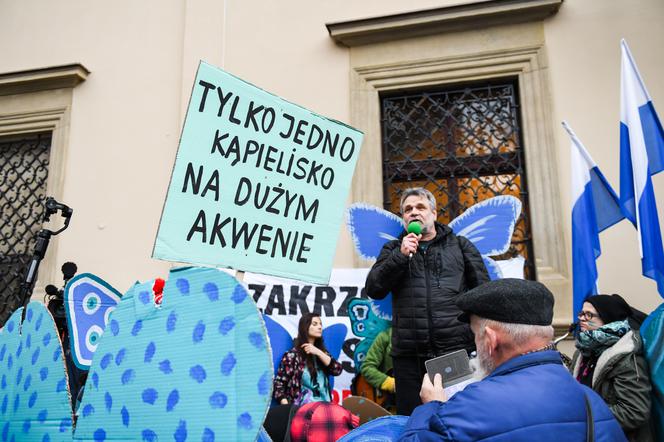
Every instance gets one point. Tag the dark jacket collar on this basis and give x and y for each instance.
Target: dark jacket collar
(442, 230)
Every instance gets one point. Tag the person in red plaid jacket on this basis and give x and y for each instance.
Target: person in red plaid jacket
(304, 369)
(322, 422)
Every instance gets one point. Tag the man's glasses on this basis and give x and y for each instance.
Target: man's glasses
(587, 316)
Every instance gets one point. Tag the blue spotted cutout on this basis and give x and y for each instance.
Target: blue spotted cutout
(34, 396)
(207, 342)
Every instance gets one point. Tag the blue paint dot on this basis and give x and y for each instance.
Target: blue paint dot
(144, 297)
(180, 434)
(244, 421)
(10, 361)
(35, 356)
(138, 325)
(31, 401)
(165, 366)
(226, 325)
(149, 435)
(211, 291)
(95, 379)
(65, 424)
(99, 435)
(88, 409)
(218, 400)
(42, 415)
(170, 322)
(57, 354)
(238, 294)
(19, 350)
(108, 401)
(10, 326)
(227, 364)
(208, 435)
(120, 356)
(39, 322)
(199, 331)
(3, 383)
(43, 373)
(256, 340)
(3, 350)
(183, 286)
(149, 396)
(197, 373)
(264, 384)
(4, 404)
(149, 352)
(46, 438)
(105, 361)
(46, 339)
(125, 416)
(28, 340)
(172, 401)
(19, 375)
(5, 431)
(29, 315)
(127, 376)
(28, 381)
(62, 383)
(115, 327)
(26, 426)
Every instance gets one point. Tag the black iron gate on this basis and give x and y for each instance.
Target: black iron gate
(23, 175)
(464, 145)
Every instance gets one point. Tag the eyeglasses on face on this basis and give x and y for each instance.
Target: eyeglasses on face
(587, 316)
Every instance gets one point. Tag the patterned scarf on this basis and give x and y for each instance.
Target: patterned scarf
(594, 342)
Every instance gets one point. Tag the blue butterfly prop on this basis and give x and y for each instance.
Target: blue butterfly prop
(488, 224)
(89, 301)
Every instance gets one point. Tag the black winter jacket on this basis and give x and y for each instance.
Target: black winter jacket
(424, 290)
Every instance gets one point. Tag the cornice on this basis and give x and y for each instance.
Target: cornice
(35, 80)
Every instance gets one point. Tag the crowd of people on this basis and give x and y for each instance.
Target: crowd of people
(443, 301)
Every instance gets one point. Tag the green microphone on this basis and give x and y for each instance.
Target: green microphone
(416, 228)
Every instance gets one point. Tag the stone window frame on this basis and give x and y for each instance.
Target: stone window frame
(372, 73)
(40, 100)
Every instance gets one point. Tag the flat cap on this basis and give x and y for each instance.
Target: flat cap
(510, 300)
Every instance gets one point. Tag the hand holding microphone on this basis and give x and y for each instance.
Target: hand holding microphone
(410, 242)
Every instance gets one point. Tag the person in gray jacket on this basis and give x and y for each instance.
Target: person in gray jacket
(609, 359)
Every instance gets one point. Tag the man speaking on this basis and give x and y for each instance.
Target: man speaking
(425, 272)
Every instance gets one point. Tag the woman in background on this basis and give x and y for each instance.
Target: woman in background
(304, 369)
(609, 359)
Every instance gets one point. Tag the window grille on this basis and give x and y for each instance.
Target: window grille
(464, 145)
(23, 175)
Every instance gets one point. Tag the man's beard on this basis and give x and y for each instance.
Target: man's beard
(482, 365)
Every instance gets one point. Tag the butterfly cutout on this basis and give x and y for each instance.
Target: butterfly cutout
(488, 225)
(365, 323)
(89, 302)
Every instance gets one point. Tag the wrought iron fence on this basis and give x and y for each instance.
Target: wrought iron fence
(464, 145)
(23, 175)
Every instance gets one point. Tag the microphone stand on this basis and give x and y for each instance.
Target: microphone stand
(43, 240)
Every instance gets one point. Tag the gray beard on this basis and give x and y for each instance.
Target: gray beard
(482, 365)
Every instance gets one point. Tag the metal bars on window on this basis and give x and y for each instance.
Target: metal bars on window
(464, 145)
(23, 176)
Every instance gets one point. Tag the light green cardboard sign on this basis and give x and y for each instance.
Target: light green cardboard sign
(259, 184)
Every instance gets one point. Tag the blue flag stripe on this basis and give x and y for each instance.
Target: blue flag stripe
(653, 136)
(585, 248)
(607, 209)
(651, 237)
(627, 199)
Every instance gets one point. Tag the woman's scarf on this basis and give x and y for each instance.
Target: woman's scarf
(594, 342)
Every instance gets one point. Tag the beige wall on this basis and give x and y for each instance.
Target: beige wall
(126, 117)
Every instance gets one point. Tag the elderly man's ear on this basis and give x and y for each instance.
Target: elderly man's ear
(492, 338)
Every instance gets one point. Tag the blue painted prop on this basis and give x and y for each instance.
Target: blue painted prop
(488, 224)
(365, 324)
(652, 332)
(89, 301)
(382, 429)
(198, 367)
(34, 394)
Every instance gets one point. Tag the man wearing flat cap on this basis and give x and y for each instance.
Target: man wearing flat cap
(525, 393)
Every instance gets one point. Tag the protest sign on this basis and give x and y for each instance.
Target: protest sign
(259, 183)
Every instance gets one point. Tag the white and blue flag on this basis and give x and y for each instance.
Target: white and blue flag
(594, 208)
(641, 155)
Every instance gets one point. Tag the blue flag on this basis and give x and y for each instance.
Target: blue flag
(641, 155)
(594, 208)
